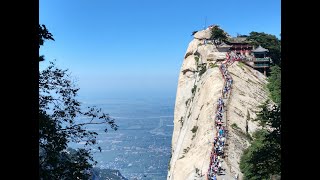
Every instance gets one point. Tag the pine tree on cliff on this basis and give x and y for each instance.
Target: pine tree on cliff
(218, 35)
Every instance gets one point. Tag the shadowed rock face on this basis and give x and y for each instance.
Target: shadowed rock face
(196, 101)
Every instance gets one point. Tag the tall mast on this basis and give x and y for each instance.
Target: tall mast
(205, 23)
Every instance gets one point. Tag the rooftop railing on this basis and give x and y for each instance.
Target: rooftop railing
(262, 59)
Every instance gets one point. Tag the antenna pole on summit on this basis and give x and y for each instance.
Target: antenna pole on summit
(205, 23)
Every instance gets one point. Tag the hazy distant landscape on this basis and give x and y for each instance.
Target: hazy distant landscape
(140, 149)
(131, 59)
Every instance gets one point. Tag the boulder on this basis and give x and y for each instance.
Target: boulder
(204, 34)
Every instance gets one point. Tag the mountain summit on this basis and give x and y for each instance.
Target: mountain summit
(200, 85)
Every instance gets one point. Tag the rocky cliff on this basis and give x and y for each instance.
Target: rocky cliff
(199, 87)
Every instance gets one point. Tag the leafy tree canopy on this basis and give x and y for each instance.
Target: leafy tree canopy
(218, 35)
(267, 41)
(44, 35)
(274, 84)
(59, 112)
(262, 158)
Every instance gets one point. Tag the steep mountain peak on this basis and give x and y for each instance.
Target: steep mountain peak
(200, 85)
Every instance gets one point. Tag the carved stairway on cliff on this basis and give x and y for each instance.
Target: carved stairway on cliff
(222, 106)
(184, 130)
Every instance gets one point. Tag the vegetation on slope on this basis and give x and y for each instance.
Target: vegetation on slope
(274, 84)
(262, 159)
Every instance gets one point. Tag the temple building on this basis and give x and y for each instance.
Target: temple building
(261, 61)
(240, 45)
(223, 47)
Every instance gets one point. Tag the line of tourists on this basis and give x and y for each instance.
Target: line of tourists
(227, 88)
(233, 56)
(217, 152)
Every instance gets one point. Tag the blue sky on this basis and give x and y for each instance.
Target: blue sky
(136, 47)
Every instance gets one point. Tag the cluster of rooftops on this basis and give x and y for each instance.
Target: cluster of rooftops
(240, 46)
(256, 58)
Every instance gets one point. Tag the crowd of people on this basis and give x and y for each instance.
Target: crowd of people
(228, 80)
(217, 152)
(234, 56)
